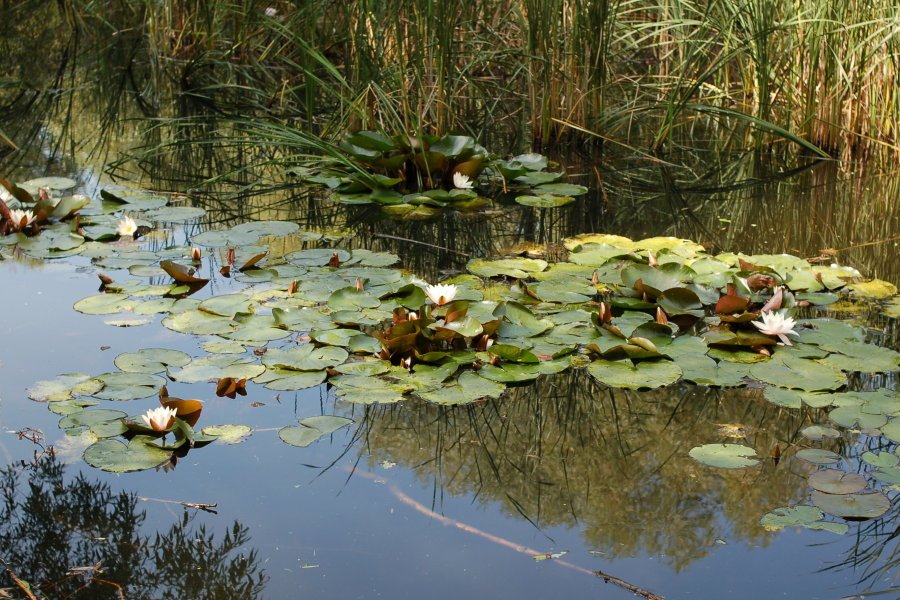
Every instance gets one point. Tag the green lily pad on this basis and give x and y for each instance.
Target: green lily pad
(228, 434)
(544, 200)
(519, 268)
(128, 386)
(116, 457)
(103, 304)
(873, 290)
(881, 459)
(151, 360)
(311, 429)
(52, 183)
(90, 418)
(798, 373)
(227, 305)
(288, 380)
(625, 374)
(561, 189)
(800, 516)
(852, 506)
(834, 481)
(467, 388)
(725, 456)
(819, 456)
(217, 366)
(70, 407)
(174, 214)
(818, 432)
(64, 387)
(197, 322)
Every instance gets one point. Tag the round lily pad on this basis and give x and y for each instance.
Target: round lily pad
(834, 481)
(53, 183)
(311, 429)
(116, 457)
(228, 434)
(817, 432)
(103, 304)
(128, 386)
(800, 516)
(819, 456)
(852, 506)
(725, 456)
(625, 374)
(174, 213)
(151, 360)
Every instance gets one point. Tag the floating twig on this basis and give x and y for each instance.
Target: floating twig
(444, 520)
(204, 506)
(403, 239)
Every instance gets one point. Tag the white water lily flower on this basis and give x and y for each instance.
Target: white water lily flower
(21, 218)
(775, 323)
(441, 294)
(126, 226)
(462, 182)
(159, 419)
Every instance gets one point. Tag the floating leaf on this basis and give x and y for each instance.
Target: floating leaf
(104, 304)
(625, 374)
(64, 387)
(151, 360)
(800, 516)
(217, 367)
(116, 457)
(852, 506)
(725, 456)
(817, 432)
(311, 429)
(833, 481)
(467, 388)
(228, 434)
(128, 386)
(819, 456)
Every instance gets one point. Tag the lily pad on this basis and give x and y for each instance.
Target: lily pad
(128, 386)
(311, 429)
(725, 456)
(64, 387)
(625, 374)
(228, 434)
(116, 457)
(103, 304)
(800, 516)
(467, 388)
(852, 506)
(151, 360)
(217, 367)
(819, 456)
(834, 481)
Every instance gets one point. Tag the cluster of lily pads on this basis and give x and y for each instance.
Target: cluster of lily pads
(635, 314)
(419, 176)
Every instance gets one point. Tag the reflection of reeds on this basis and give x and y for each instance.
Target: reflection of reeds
(568, 451)
(639, 72)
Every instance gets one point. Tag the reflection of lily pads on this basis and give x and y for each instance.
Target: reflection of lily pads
(116, 457)
(725, 456)
(852, 506)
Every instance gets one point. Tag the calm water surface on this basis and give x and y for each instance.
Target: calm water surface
(562, 465)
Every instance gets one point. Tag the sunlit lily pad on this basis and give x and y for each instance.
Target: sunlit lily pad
(216, 367)
(227, 305)
(103, 304)
(311, 429)
(290, 380)
(509, 267)
(151, 360)
(798, 373)
(725, 456)
(852, 506)
(547, 200)
(818, 432)
(875, 289)
(64, 387)
(116, 457)
(881, 459)
(53, 183)
(228, 434)
(174, 214)
(834, 481)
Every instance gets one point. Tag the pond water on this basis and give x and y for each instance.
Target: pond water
(416, 498)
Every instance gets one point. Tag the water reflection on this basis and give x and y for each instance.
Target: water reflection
(612, 463)
(68, 536)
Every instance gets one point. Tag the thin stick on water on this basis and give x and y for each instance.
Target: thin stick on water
(403, 239)
(204, 506)
(444, 520)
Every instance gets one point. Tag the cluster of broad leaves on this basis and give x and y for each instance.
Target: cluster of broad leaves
(69, 224)
(413, 177)
(635, 314)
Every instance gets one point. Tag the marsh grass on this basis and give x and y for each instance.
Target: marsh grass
(773, 75)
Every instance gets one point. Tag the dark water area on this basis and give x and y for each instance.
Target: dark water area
(415, 499)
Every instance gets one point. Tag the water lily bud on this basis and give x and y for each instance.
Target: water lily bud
(196, 253)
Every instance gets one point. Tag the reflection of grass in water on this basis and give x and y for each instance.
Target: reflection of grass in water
(49, 524)
(569, 452)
